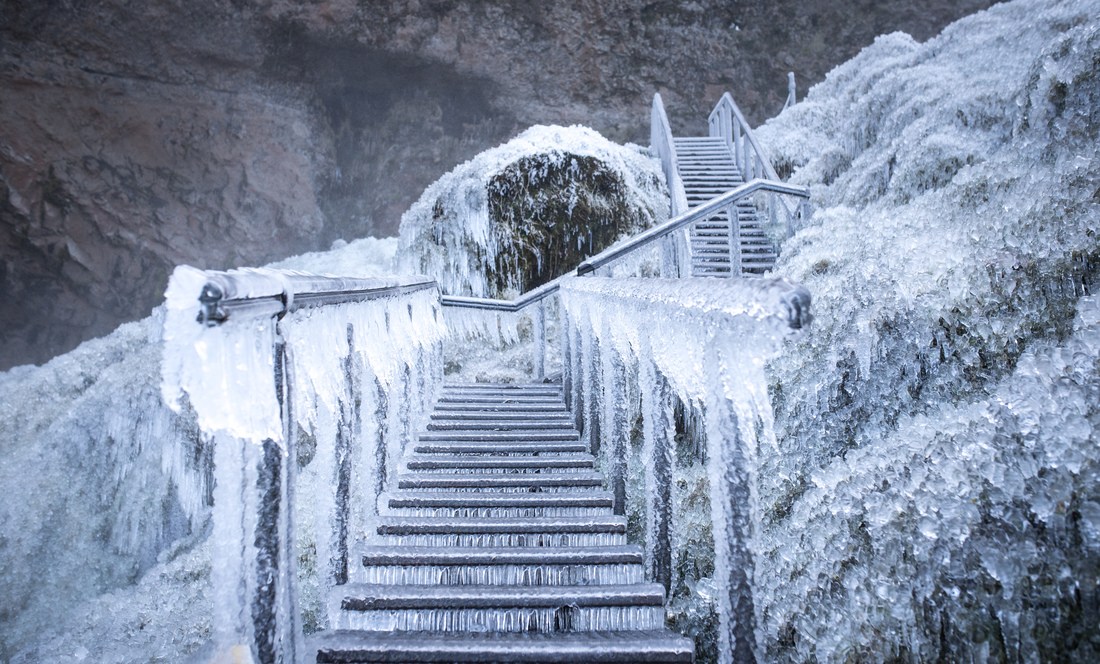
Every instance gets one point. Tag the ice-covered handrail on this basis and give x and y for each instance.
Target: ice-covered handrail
(728, 122)
(257, 292)
(662, 143)
(699, 213)
(634, 351)
(267, 358)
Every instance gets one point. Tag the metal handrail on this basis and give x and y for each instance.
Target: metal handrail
(530, 297)
(635, 243)
(228, 294)
(661, 142)
(699, 213)
(723, 127)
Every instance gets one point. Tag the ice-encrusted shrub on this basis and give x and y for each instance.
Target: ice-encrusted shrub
(520, 214)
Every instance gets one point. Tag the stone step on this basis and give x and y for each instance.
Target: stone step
(529, 555)
(443, 408)
(503, 387)
(428, 525)
(511, 463)
(499, 447)
(452, 565)
(497, 436)
(498, 481)
(376, 597)
(530, 424)
(635, 647)
(587, 500)
(499, 416)
(507, 398)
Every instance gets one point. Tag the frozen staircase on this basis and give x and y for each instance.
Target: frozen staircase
(707, 169)
(497, 543)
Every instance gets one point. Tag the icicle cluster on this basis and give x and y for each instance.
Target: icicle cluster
(358, 378)
(633, 349)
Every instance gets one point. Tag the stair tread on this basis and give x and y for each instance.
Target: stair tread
(369, 596)
(437, 480)
(541, 435)
(518, 555)
(404, 498)
(637, 647)
(418, 461)
(395, 525)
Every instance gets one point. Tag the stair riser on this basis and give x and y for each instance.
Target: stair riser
(501, 575)
(507, 540)
(489, 512)
(497, 425)
(563, 619)
(512, 450)
(503, 471)
(505, 489)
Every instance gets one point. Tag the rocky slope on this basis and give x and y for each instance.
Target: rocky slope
(135, 136)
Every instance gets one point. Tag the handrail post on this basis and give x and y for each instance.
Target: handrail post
(255, 572)
(538, 330)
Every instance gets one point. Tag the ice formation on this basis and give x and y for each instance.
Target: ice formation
(118, 494)
(636, 347)
(451, 233)
(934, 492)
(356, 380)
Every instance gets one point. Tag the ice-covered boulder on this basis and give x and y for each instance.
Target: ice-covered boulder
(518, 215)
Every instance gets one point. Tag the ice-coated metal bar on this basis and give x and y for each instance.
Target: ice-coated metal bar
(265, 292)
(700, 213)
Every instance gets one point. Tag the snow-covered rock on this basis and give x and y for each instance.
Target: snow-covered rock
(518, 215)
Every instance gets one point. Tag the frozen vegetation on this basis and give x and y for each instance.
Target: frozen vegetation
(936, 491)
(916, 477)
(106, 488)
(518, 215)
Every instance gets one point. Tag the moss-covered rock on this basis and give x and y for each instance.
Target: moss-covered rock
(523, 213)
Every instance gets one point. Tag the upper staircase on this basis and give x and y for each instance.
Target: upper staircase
(707, 169)
(498, 543)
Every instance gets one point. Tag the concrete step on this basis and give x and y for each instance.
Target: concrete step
(498, 481)
(529, 555)
(499, 416)
(587, 502)
(635, 647)
(496, 436)
(450, 407)
(495, 399)
(428, 525)
(499, 447)
(509, 463)
(529, 424)
(451, 565)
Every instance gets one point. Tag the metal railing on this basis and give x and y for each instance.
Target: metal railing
(727, 121)
(246, 340)
(228, 295)
(717, 204)
(726, 201)
(664, 147)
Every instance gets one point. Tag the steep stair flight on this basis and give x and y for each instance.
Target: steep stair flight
(707, 169)
(498, 543)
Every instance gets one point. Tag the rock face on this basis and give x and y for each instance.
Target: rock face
(135, 136)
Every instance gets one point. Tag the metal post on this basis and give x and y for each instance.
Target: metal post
(538, 323)
(660, 430)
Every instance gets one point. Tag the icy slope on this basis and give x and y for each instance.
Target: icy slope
(104, 487)
(522, 213)
(936, 492)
